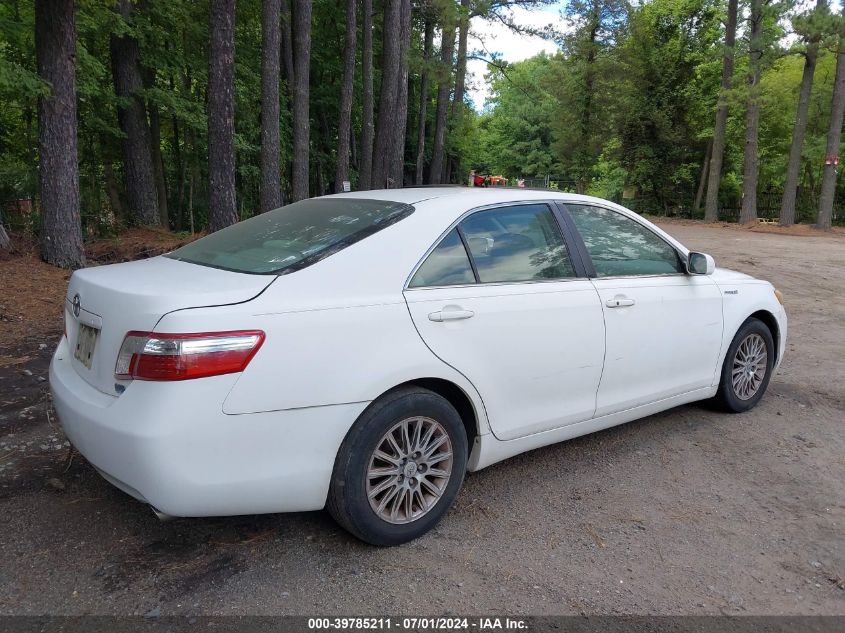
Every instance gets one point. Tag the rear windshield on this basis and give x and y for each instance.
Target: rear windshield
(292, 237)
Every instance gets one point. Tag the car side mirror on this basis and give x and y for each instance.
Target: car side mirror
(700, 264)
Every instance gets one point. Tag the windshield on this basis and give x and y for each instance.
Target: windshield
(294, 236)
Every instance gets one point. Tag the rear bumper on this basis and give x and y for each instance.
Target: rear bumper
(171, 445)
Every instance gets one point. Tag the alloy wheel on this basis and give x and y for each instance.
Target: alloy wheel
(409, 470)
(749, 366)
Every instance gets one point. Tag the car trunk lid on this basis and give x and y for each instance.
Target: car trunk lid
(105, 302)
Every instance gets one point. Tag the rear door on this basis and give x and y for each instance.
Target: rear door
(501, 299)
(663, 326)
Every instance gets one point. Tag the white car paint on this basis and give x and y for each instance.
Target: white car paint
(538, 362)
(654, 332)
(134, 295)
(538, 376)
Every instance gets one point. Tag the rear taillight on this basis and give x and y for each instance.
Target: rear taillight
(154, 356)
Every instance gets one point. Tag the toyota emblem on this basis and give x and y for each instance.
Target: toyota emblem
(77, 304)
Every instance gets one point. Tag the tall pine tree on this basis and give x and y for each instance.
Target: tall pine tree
(55, 46)
(221, 116)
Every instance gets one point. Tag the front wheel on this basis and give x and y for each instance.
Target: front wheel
(399, 468)
(747, 367)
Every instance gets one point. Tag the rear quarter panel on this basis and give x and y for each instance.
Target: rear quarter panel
(323, 356)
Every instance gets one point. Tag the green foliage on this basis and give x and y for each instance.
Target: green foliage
(656, 117)
(515, 136)
(20, 88)
(627, 104)
(610, 177)
(173, 42)
(585, 82)
(624, 104)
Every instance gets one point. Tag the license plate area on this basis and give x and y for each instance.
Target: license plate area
(86, 341)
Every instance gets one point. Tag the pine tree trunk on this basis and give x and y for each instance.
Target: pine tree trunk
(711, 205)
(428, 44)
(158, 165)
(189, 156)
(322, 139)
(344, 128)
(178, 163)
(183, 179)
(365, 174)
(270, 194)
(113, 190)
(58, 174)
(301, 27)
(447, 48)
(793, 167)
(191, 203)
(286, 45)
(221, 117)
(751, 162)
(287, 89)
(584, 158)
(834, 135)
(386, 124)
(141, 194)
(460, 83)
(702, 179)
(396, 171)
(461, 65)
(149, 77)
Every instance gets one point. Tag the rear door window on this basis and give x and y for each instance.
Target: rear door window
(517, 243)
(446, 265)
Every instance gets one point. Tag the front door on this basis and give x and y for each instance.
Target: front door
(663, 326)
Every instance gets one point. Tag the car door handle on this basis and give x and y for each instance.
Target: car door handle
(450, 313)
(619, 301)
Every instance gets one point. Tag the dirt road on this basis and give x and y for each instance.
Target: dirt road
(686, 512)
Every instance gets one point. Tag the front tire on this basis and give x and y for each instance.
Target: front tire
(747, 367)
(399, 468)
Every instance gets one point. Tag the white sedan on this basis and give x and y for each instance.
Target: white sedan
(362, 351)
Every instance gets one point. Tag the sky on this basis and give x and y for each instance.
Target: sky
(491, 36)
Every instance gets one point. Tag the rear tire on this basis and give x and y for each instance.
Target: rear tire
(747, 367)
(399, 468)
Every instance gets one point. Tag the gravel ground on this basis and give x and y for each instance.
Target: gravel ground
(686, 512)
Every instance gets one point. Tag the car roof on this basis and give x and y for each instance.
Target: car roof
(471, 195)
